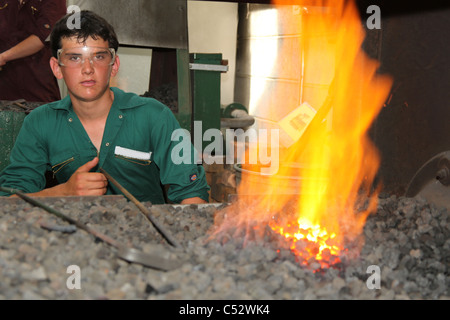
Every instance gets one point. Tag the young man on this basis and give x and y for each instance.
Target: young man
(99, 127)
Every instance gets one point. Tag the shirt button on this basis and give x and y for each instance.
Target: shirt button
(120, 116)
(70, 119)
(107, 144)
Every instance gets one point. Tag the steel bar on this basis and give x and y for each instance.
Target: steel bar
(80, 225)
(124, 252)
(53, 227)
(143, 209)
(322, 112)
(208, 67)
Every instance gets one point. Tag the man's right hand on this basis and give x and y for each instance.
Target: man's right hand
(85, 183)
(81, 183)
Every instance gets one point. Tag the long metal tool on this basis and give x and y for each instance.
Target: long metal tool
(143, 209)
(432, 181)
(124, 252)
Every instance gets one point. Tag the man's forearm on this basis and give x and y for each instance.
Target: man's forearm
(195, 200)
(56, 191)
(26, 48)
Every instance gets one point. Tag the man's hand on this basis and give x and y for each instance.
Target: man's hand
(81, 183)
(85, 183)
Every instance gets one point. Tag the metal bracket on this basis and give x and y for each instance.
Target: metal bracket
(208, 67)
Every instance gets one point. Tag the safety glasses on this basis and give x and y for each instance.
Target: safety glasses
(75, 57)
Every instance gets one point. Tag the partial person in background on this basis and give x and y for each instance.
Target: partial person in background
(25, 27)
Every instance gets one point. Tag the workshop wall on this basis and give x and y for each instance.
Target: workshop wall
(212, 28)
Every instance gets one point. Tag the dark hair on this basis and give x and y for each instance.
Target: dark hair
(91, 25)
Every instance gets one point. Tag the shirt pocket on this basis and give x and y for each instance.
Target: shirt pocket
(135, 161)
(133, 156)
(63, 166)
(132, 167)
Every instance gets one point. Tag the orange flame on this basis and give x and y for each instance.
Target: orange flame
(334, 160)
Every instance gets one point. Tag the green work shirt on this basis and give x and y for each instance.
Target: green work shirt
(53, 138)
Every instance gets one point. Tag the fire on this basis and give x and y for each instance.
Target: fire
(312, 234)
(334, 163)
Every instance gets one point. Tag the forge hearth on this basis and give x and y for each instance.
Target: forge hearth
(407, 239)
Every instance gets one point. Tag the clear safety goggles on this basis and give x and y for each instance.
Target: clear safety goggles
(75, 57)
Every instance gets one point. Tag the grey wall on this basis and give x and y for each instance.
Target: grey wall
(147, 23)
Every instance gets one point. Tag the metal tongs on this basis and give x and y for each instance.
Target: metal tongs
(124, 252)
(143, 209)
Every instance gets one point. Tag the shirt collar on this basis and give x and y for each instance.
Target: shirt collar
(63, 104)
(126, 100)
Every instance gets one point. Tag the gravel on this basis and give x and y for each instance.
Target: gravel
(406, 243)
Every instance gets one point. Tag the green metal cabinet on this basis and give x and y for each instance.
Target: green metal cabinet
(206, 69)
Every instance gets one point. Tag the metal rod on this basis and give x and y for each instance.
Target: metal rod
(20, 105)
(322, 112)
(143, 209)
(53, 227)
(124, 252)
(80, 225)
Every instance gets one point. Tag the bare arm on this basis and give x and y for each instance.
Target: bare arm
(26, 48)
(81, 183)
(195, 200)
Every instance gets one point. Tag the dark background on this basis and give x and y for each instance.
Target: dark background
(413, 47)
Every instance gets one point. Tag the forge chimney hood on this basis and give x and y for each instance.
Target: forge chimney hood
(144, 23)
